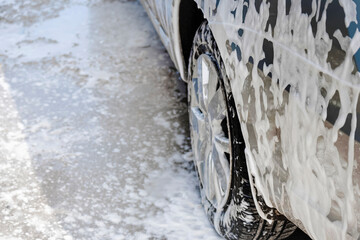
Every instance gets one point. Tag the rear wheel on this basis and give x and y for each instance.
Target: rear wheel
(218, 148)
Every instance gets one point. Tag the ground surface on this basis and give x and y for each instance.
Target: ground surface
(93, 126)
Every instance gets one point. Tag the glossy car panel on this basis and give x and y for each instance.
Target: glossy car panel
(294, 71)
(165, 17)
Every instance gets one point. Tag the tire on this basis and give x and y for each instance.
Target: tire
(226, 193)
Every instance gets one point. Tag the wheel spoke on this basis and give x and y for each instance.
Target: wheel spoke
(201, 150)
(222, 166)
(194, 93)
(217, 106)
(222, 143)
(209, 77)
(212, 86)
(198, 122)
(202, 154)
(209, 171)
(200, 87)
(219, 193)
(218, 174)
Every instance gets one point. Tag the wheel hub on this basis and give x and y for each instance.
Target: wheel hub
(209, 131)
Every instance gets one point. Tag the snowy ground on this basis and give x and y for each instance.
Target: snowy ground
(93, 126)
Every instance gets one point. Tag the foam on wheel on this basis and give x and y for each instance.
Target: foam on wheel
(218, 148)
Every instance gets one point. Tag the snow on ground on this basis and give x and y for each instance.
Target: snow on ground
(93, 127)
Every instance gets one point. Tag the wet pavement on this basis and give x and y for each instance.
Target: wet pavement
(93, 126)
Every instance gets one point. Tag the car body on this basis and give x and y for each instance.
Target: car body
(294, 70)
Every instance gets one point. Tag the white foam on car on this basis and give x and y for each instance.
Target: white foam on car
(297, 157)
(92, 133)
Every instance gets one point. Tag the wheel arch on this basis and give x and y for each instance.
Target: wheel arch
(186, 19)
(190, 18)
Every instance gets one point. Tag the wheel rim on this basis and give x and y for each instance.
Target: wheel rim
(210, 131)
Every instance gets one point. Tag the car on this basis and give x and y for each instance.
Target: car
(273, 97)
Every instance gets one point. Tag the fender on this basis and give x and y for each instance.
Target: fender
(290, 63)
